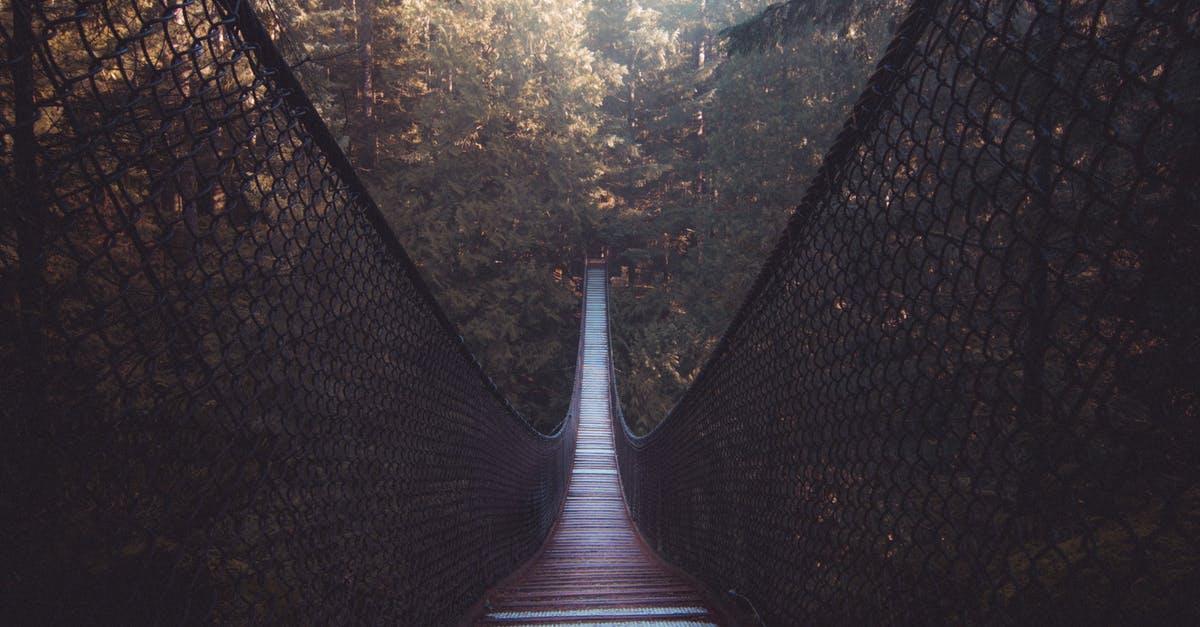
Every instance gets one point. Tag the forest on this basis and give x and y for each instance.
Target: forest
(506, 139)
(239, 242)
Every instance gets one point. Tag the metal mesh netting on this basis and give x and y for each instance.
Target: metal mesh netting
(227, 396)
(964, 388)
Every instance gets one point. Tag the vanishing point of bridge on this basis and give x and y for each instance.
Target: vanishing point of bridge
(962, 389)
(594, 568)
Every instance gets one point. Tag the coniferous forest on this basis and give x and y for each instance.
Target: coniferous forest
(239, 241)
(503, 138)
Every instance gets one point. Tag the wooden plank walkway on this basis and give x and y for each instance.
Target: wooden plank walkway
(595, 569)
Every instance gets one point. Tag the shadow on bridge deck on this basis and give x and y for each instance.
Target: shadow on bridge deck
(594, 568)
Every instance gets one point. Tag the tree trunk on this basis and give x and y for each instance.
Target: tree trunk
(186, 198)
(367, 140)
(31, 215)
(702, 44)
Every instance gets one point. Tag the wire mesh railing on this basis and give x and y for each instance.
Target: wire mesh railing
(963, 388)
(228, 397)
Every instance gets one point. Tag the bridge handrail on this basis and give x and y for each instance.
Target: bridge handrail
(953, 393)
(233, 397)
(297, 98)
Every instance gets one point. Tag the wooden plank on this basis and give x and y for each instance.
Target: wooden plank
(595, 569)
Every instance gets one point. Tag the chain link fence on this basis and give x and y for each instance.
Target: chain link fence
(228, 397)
(964, 388)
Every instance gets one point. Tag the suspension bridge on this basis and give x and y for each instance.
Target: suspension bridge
(594, 567)
(961, 390)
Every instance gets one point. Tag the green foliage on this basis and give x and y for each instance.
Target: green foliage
(780, 23)
(716, 155)
(486, 119)
(514, 136)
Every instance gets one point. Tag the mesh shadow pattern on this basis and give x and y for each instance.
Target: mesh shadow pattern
(228, 397)
(963, 389)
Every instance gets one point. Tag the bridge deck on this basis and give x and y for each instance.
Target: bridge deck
(595, 569)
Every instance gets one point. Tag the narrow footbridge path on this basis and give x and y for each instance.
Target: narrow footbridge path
(594, 567)
(956, 392)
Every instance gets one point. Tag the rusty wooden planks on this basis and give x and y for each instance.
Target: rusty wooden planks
(594, 569)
